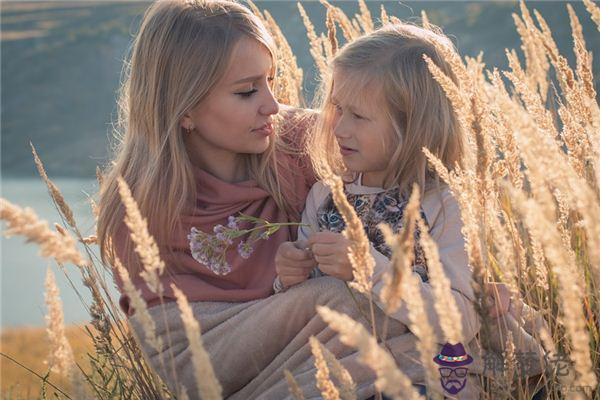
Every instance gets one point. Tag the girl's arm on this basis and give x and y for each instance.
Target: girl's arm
(315, 196)
(445, 228)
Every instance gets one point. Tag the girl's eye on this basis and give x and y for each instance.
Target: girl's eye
(248, 94)
(357, 116)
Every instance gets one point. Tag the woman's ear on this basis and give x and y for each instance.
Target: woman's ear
(186, 122)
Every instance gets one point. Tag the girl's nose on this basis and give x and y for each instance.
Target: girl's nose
(340, 130)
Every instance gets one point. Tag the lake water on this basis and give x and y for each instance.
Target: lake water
(23, 271)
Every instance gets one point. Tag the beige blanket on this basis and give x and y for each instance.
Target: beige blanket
(252, 343)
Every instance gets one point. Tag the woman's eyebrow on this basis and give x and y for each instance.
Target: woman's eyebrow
(248, 79)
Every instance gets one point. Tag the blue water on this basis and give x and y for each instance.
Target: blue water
(23, 271)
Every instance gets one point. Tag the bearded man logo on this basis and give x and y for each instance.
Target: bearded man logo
(452, 361)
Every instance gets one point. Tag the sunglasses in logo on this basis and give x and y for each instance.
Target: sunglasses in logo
(459, 372)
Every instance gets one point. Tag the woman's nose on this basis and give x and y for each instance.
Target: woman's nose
(270, 105)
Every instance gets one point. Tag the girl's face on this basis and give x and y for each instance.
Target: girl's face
(362, 130)
(235, 117)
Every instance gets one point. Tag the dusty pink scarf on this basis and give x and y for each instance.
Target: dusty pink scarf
(250, 278)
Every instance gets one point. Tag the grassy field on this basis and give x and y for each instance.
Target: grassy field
(30, 347)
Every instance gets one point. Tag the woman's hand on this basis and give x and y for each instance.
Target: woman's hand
(293, 263)
(330, 250)
(499, 300)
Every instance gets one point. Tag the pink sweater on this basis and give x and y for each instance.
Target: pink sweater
(250, 278)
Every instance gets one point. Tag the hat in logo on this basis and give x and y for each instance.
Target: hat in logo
(453, 355)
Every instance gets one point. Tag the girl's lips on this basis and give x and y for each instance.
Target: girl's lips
(346, 151)
(265, 130)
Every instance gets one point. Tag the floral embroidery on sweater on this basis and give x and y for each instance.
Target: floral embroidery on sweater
(372, 209)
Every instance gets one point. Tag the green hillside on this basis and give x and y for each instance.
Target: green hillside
(61, 63)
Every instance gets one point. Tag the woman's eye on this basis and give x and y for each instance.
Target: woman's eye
(357, 116)
(248, 94)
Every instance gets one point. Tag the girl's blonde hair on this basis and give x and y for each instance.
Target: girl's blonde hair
(389, 62)
(182, 49)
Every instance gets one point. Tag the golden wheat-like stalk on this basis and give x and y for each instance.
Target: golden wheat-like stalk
(594, 11)
(571, 291)
(288, 85)
(347, 386)
(390, 379)
(206, 380)
(445, 304)
(316, 44)
(54, 191)
(510, 363)
(295, 390)
(61, 358)
(403, 254)
(331, 31)
(359, 252)
(25, 222)
(425, 20)
(404, 287)
(140, 307)
(348, 30)
(385, 19)
(364, 19)
(324, 383)
(145, 245)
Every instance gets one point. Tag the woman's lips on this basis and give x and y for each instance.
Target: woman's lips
(346, 151)
(265, 130)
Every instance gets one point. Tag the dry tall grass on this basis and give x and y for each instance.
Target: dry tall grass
(530, 200)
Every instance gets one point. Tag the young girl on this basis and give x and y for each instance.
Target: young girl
(379, 109)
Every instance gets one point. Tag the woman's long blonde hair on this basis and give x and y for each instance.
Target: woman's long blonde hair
(181, 51)
(389, 61)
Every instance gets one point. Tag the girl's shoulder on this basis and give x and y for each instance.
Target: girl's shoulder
(440, 206)
(318, 192)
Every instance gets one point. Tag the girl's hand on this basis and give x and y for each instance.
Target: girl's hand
(330, 250)
(293, 263)
(498, 302)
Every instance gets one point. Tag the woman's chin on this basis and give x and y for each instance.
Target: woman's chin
(260, 145)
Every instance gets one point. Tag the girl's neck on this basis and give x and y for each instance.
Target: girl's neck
(372, 179)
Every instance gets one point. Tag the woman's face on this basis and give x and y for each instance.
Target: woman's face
(228, 121)
(362, 130)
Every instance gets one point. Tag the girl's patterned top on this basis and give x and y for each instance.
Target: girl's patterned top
(443, 217)
(373, 208)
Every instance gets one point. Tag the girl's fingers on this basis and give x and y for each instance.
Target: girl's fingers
(323, 250)
(324, 237)
(329, 259)
(288, 251)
